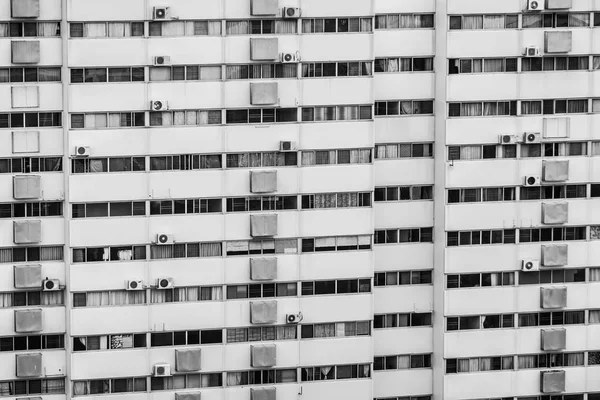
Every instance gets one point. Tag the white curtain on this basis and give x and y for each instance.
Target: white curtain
(6, 300)
(214, 28)
(210, 73)
(46, 29)
(91, 29)
(470, 152)
(98, 299)
(173, 28)
(594, 317)
(286, 26)
(493, 22)
(118, 29)
(236, 27)
(3, 30)
(525, 362)
(472, 22)
(160, 73)
(594, 274)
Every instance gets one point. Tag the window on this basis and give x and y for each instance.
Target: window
(393, 278)
(267, 246)
(556, 20)
(481, 65)
(478, 364)
(404, 107)
(341, 286)
(404, 64)
(185, 117)
(33, 386)
(261, 71)
(114, 253)
(403, 193)
(30, 74)
(107, 120)
(95, 75)
(487, 21)
(117, 209)
(186, 250)
(109, 298)
(106, 29)
(30, 29)
(553, 192)
(185, 162)
(330, 157)
(185, 28)
(468, 238)
(26, 165)
(534, 235)
(335, 372)
(260, 27)
(337, 329)
(261, 203)
(401, 320)
(333, 25)
(109, 342)
(185, 206)
(336, 113)
(186, 294)
(30, 120)
(260, 290)
(479, 152)
(37, 209)
(486, 279)
(333, 69)
(415, 235)
(253, 334)
(403, 150)
(551, 318)
(113, 164)
(486, 109)
(28, 254)
(476, 195)
(261, 115)
(186, 73)
(266, 159)
(402, 362)
(339, 243)
(404, 21)
(336, 200)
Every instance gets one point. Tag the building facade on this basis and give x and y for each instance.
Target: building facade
(300, 199)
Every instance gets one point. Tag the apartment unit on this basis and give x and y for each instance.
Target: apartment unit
(299, 199)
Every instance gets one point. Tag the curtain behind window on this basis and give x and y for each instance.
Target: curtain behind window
(94, 29)
(493, 22)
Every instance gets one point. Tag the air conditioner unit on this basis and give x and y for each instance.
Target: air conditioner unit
(135, 285)
(162, 369)
(289, 58)
(293, 318)
(286, 145)
(50, 285)
(291, 12)
(507, 139)
(530, 137)
(532, 51)
(530, 265)
(82, 151)
(535, 5)
(532, 181)
(161, 60)
(160, 13)
(159, 105)
(164, 238)
(164, 283)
